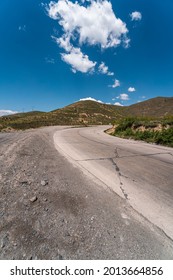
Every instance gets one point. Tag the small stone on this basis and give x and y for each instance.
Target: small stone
(44, 183)
(2, 244)
(33, 199)
(59, 257)
(24, 183)
(2, 214)
(4, 241)
(67, 234)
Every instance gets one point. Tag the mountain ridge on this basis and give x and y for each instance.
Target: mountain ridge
(89, 112)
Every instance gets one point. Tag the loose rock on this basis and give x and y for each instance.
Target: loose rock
(44, 183)
(33, 199)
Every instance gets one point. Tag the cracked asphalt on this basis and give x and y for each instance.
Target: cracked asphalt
(139, 172)
(76, 201)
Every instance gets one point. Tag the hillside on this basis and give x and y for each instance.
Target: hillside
(88, 113)
(155, 107)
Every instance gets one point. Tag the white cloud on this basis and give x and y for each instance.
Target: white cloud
(116, 84)
(50, 60)
(22, 28)
(110, 74)
(78, 61)
(136, 16)
(7, 112)
(118, 104)
(103, 69)
(123, 96)
(90, 22)
(64, 42)
(90, 98)
(126, 43)
(131, 89)
(95, 24)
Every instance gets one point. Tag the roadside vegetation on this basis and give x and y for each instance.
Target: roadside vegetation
(151, 130)
(130, 121)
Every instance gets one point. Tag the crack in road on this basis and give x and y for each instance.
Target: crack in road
(145, 155)
(119, 177)
(116, 168)
(170, 154)
(112, 160)
(116, 153)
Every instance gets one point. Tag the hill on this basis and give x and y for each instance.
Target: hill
(88, 113)
(155, 107)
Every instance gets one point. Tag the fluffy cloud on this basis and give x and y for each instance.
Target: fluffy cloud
(7, 112)
(94, 24)
(103, 69)
(136, 16)
(90, 98)
(64, 42)
(116, 84)
(78, 61)
(118, 104)
(131, 89)
(87, 22)
(123, 96)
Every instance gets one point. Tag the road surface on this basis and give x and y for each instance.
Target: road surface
(139, 172)
(81, 200)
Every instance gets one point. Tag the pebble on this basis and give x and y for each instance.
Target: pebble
(33, 199)
(24, 183)
(67, 234)
(4, 241)
(44, 183)
(60, 257)
(2, 214)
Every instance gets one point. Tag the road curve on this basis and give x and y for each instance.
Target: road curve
(140, 173)
(50, 209)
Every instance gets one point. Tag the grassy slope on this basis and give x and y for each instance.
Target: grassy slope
(80, 113)
(150, 121)
(87, 112)
(159, 131)
(155, 107)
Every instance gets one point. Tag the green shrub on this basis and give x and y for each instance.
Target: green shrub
(127, 128)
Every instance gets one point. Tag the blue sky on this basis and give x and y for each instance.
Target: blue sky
(51, 55)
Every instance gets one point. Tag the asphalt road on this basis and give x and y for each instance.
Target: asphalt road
(140, 173)
(78, 202)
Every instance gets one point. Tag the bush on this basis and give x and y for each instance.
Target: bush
(165, 137)
(127, 126)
